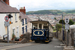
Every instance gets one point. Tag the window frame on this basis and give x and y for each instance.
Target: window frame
(15, 17)
(22, 22)
(25, 20)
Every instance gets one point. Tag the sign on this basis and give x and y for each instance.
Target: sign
(6, 18)
(67, 26)
(6, 23)
(66, 20)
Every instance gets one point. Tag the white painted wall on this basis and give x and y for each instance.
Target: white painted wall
(2, 27)
(14, 25)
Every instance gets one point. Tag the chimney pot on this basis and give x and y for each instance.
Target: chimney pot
(22, 9)
(6, 1)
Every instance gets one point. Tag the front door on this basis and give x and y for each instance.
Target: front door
(17, 31)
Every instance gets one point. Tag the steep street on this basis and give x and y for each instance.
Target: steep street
(54, 45)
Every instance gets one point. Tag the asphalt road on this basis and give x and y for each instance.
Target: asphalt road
(54, 45)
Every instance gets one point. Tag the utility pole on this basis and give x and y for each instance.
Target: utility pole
(7, 23)
(8, 34)
(62, 27)
(67, 28)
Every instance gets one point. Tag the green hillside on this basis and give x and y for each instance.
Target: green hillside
(54, 12)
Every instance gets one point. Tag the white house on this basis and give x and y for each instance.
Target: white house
(14, 27)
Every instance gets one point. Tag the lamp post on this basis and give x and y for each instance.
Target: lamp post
(62, 26)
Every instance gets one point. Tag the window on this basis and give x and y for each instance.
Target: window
(22, 21)
(13, 31)
(40, 26)
(45, 27)
(22, 30)
(15, 17)
(25, 20)
(11, 20)
(34, 26)
(26, 28)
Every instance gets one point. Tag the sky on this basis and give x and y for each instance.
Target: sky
(34, 5)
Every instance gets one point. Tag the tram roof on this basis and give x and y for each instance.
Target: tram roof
(41, 21)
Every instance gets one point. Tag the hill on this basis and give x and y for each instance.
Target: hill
(54, 12)
(45, 12)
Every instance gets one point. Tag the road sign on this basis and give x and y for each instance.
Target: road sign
(66, 20)
(67, 26)
(6, 23)
(6, 18)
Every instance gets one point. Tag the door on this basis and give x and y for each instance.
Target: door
(17, 31)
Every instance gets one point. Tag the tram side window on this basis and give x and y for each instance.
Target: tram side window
(45, 27)
(35, 26)
(40, 26)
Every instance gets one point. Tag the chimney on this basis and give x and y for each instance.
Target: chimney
(6, 1)
(22, 9)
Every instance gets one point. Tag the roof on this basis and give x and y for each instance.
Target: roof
(39, 21)
(4, 8)
(23, 16)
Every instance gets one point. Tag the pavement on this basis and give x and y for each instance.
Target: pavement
(54, 45)
(6, 44)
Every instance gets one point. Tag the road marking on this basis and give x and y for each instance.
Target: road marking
(58, 46)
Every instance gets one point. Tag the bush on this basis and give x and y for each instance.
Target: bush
(13, 36)
(16, 39)
(58, 27)
(25, 37)
(71, 22)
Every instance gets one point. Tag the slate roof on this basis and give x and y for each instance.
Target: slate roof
(23, 16)
(4, 8)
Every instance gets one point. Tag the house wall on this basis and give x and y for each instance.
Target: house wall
(2, 27)
(16, 25)
(23, 26)
(29, 27)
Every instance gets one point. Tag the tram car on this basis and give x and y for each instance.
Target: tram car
(41, 31)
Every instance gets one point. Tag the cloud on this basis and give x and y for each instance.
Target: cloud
(32, 5)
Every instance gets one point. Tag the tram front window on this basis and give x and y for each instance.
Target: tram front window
(35, 26)
(40, 26)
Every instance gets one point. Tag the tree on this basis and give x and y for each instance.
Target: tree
(62, 21)
(55, 18)
(58, 27)
(71, 22)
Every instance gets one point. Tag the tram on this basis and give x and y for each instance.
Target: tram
(41, 31)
